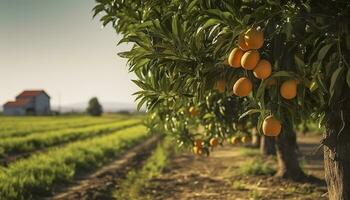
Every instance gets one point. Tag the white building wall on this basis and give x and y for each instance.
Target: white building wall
(42, 104)
(15, 111)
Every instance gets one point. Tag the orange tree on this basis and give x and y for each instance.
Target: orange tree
(180, 53)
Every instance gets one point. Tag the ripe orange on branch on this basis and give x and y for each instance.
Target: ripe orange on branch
(197, 150)
(234, 140)
(220, 86)
(246, 139)
(263, 69)
(241, 42)
(254, 38)
(198, 143)
(288, 89)
(271, 126)
(250, 59)
(214, 142)
(193, 111)
(234, 59)
(242, 87)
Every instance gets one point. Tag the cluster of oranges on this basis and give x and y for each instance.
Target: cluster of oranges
(245, 140)
(214, 142)
(199, 143)
(247, 56)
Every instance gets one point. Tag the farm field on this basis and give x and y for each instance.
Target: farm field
(115, 158)
(68, 151)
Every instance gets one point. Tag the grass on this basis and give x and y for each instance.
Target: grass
(32, 142)
(22, 126)
(255, 195)
(244, 151)
(257, 166)
(36, 176)
(238, 185)
(131, 187)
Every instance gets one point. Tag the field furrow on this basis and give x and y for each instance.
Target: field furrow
(38, 175)
(98, 184)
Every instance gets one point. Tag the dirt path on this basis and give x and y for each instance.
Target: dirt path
(98, 184)
(215, 177)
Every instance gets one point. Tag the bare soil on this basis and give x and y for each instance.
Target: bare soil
(190, 177)
(98, 185)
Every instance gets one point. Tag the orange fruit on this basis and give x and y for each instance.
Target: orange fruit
(214, 142)
(246, 139)
(220, 86)
(234, 59)
(254, 38)
(263, 69)
(234, 140)
(250, 59)
(242, 87)
(193, 111)
(288, 89)
(197, 150)
(271, 126)
(241, 42)
(198, 143)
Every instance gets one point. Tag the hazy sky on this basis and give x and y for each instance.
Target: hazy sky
(56, 45)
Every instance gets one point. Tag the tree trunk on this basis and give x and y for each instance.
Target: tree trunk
(288, 163)
(337, 148)
(267, 145)
(256, 138)
(256, 141)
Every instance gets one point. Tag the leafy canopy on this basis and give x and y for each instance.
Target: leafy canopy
(181, 47)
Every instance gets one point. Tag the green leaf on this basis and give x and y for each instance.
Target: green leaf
(348, 77)
(347, 42)
(192, 5)
(208, 116)
(323, 51)
(284, 74)
(300, 64)
(313, 86)
(334, 79)
(249, 112)
(274, 2)
(175, 26)
(210, 22)
(97, 9)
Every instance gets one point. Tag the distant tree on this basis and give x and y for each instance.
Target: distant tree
(94, 107)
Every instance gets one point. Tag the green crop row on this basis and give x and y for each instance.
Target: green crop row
(16, 145)
(22, 126)
(36, 176)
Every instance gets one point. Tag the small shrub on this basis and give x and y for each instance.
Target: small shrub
(256, 167)
(238, 185)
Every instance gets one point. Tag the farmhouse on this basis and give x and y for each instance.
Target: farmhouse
(29, 102)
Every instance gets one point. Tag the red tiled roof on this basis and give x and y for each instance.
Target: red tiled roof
(31, 93)
(17, 103)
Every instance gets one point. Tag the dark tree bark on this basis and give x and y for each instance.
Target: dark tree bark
(256, 141)
(337, 148)
(267, 145)
(288, 163)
